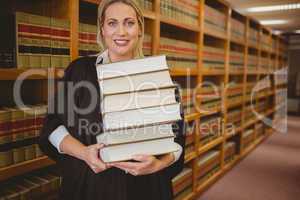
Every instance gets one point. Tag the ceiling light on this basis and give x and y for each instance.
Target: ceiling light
(272, 22)
(282, 7)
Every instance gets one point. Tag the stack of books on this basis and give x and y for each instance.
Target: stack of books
(214, 20)
(179, 53)
(247, 138)
(230, 151)
(253, 37)
(139, 107)
(183, 184)
(252, 62)
(35, 41)
(183, 11)
(236, 61)
(249, 89)
(210, 129)
(235, 93)
(213, 57)
(145, 4)
(19, 129)
(33, 186)
(207, 165)
(237, 30)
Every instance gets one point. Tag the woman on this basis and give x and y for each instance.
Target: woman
(65, 139)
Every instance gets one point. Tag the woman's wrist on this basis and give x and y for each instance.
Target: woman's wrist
(166, 161)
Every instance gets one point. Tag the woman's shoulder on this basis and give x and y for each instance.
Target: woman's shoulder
(80, 67)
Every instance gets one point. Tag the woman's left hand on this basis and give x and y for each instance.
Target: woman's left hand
(146, 164)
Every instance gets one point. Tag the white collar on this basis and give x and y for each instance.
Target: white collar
(102, 58)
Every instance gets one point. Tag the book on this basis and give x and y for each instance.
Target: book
(131, 67)
(140, 99)
(142, 117)
(127, 151)
(136, 134)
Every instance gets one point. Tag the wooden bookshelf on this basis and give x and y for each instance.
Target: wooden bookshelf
(24, 167)
(155, 23)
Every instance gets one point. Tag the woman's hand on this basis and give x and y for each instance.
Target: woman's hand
(146, 164)
(91, 157)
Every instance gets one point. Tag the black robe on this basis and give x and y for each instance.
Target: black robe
(79, 182)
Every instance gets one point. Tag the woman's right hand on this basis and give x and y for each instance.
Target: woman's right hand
(92, 159)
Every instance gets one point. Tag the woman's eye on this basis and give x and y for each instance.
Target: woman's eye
(130, 23)
(112, 23)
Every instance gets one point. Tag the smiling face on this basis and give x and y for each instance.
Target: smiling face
(120, 31)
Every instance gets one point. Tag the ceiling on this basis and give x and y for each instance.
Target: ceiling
(291, 16)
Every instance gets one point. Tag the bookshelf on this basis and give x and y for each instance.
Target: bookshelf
(233, 48)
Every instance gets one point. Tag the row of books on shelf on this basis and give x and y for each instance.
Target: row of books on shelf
(214, 20)
(236, 60)
(207, 165)
(35, 41)
(179, 53)
(183, 11)
(43, 184)
(145, 4)
(265, 42)
(237, 30)
(248, 137)
(19, 130)
(213, 57)
(253, 36)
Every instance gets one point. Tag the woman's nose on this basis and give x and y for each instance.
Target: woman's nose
(121, 30)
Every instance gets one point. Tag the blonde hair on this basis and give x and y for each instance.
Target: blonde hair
(138, 52)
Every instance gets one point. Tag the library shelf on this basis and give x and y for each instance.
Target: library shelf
(190, 156)
(191, 117)
(249, 123)
(201, 188)
(238, 41)
(173, 22)
(237, 131)
(236, 72)
(24, 167)
(234, 104)
(149, 14)
(213, 72)
(28, 74)
(210, 145)
(215, 34)
(231, 164)
(183, 71)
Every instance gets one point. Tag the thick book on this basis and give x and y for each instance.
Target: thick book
(136, 100)
(141, 117)
(136, 82)
(136, 134)
(132, 67)
(125, 152)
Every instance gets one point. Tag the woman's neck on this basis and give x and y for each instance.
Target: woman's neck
(118, 58)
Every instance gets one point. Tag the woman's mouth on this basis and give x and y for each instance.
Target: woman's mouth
(121, 42)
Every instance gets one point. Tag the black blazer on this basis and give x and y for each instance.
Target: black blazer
(78, 180)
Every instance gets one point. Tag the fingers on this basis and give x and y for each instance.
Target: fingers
(126, 165)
